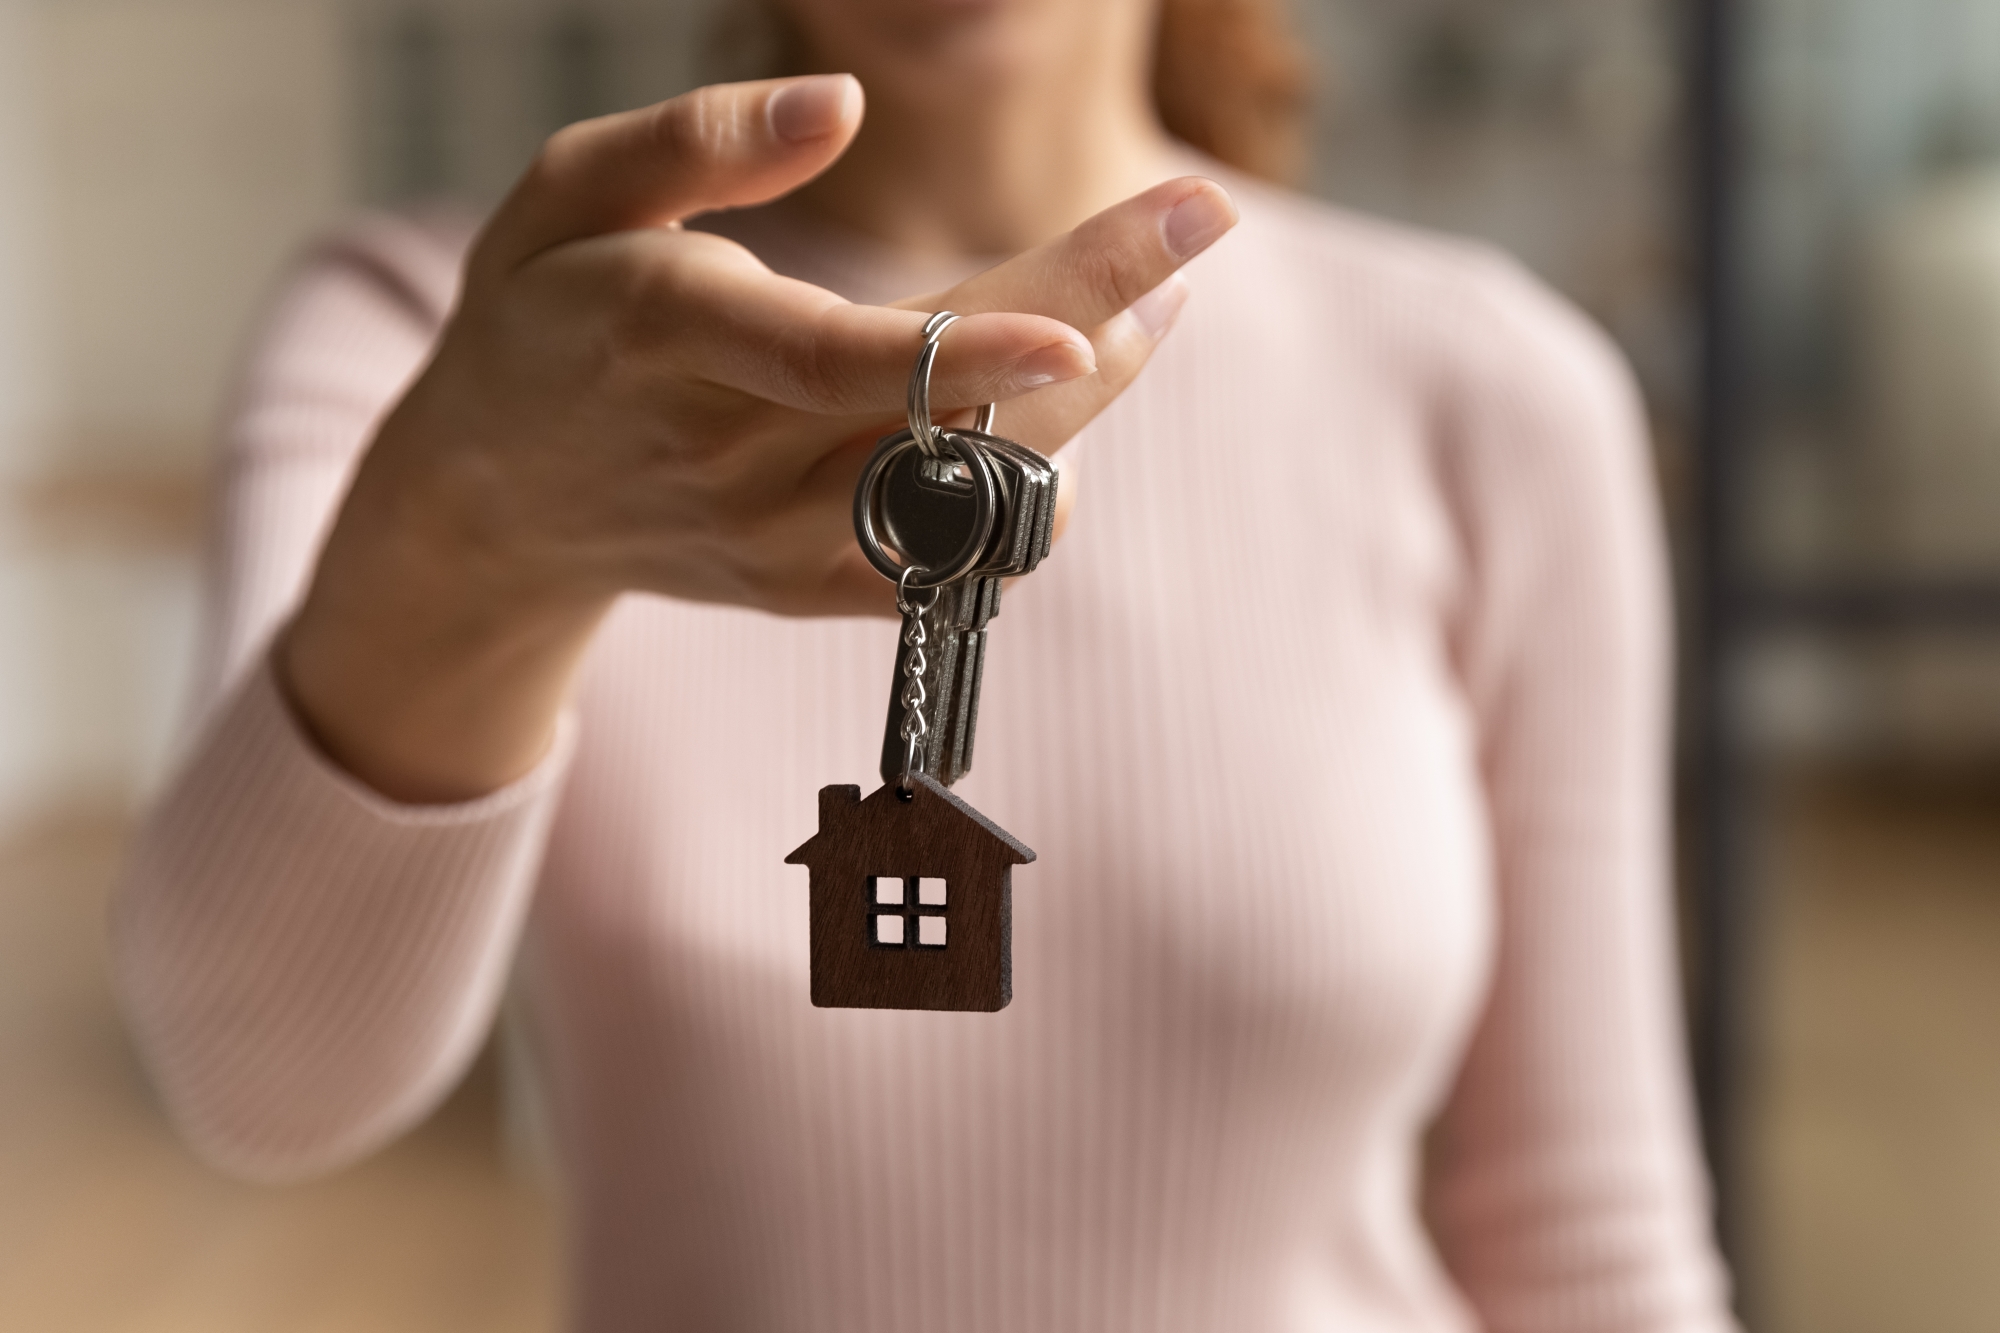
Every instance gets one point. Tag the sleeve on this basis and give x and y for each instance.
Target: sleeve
(1566, 1191)
(308, 967)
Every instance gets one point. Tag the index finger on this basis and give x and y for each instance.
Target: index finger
(735, 324)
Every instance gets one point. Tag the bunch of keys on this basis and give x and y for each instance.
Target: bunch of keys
(966, 509)
(911, 890)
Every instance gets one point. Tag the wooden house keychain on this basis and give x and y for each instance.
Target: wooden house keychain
(912, 888)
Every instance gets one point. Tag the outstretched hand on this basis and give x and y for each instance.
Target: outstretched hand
(620, 403)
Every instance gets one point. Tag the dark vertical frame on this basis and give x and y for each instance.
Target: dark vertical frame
(1722, 906)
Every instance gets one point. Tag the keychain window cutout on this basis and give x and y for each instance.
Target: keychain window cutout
(892, 930)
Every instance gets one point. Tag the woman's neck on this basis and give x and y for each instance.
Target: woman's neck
(994, 170)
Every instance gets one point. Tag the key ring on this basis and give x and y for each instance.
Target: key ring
(985, 508)
(919, 405)
(923, 435)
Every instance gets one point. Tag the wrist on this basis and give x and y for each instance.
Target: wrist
(422, 709)
(431, 668)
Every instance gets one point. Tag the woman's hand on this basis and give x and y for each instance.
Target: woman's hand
(621, 404)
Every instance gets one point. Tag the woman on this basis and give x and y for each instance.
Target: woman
(1337, 721)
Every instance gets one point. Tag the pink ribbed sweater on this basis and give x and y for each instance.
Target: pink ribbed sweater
(1338, 721)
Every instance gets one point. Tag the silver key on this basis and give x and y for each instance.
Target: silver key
(974, 602)
(936, 515)
(1023, 531)
(929, 509)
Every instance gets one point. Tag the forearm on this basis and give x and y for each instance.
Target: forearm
(308, 967)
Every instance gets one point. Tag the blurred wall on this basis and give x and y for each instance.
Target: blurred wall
(190, 145)
(22, 357)
(158, 161)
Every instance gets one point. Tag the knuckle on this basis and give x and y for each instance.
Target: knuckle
(676, 128)
(741, 539)
(720, 453)
(808, 364)
(652, 300)
(1113, 266)
(694, 130)
(1123, 350)
(640, 306)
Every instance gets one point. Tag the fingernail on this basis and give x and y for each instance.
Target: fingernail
(1054, 364)
(1156, 310)
(1193, 224)
(811, 108)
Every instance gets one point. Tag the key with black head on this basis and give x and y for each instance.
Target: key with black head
(938, 516)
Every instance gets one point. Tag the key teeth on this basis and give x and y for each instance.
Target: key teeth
(965, 721)
(945, 708)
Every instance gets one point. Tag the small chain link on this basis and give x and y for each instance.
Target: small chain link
(915, 664)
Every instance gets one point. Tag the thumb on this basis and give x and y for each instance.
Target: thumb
(726, 146)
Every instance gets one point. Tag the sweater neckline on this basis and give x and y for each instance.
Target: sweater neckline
(827, 254)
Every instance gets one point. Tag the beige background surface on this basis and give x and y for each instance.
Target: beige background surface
(107, 1225)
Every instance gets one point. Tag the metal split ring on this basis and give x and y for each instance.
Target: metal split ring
(907, 604)
(919, 406)
(924, 435)
(985, 510)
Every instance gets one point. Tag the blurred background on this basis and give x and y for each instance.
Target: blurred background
(1786, 211)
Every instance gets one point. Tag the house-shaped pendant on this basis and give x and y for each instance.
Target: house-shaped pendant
(911, 900)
